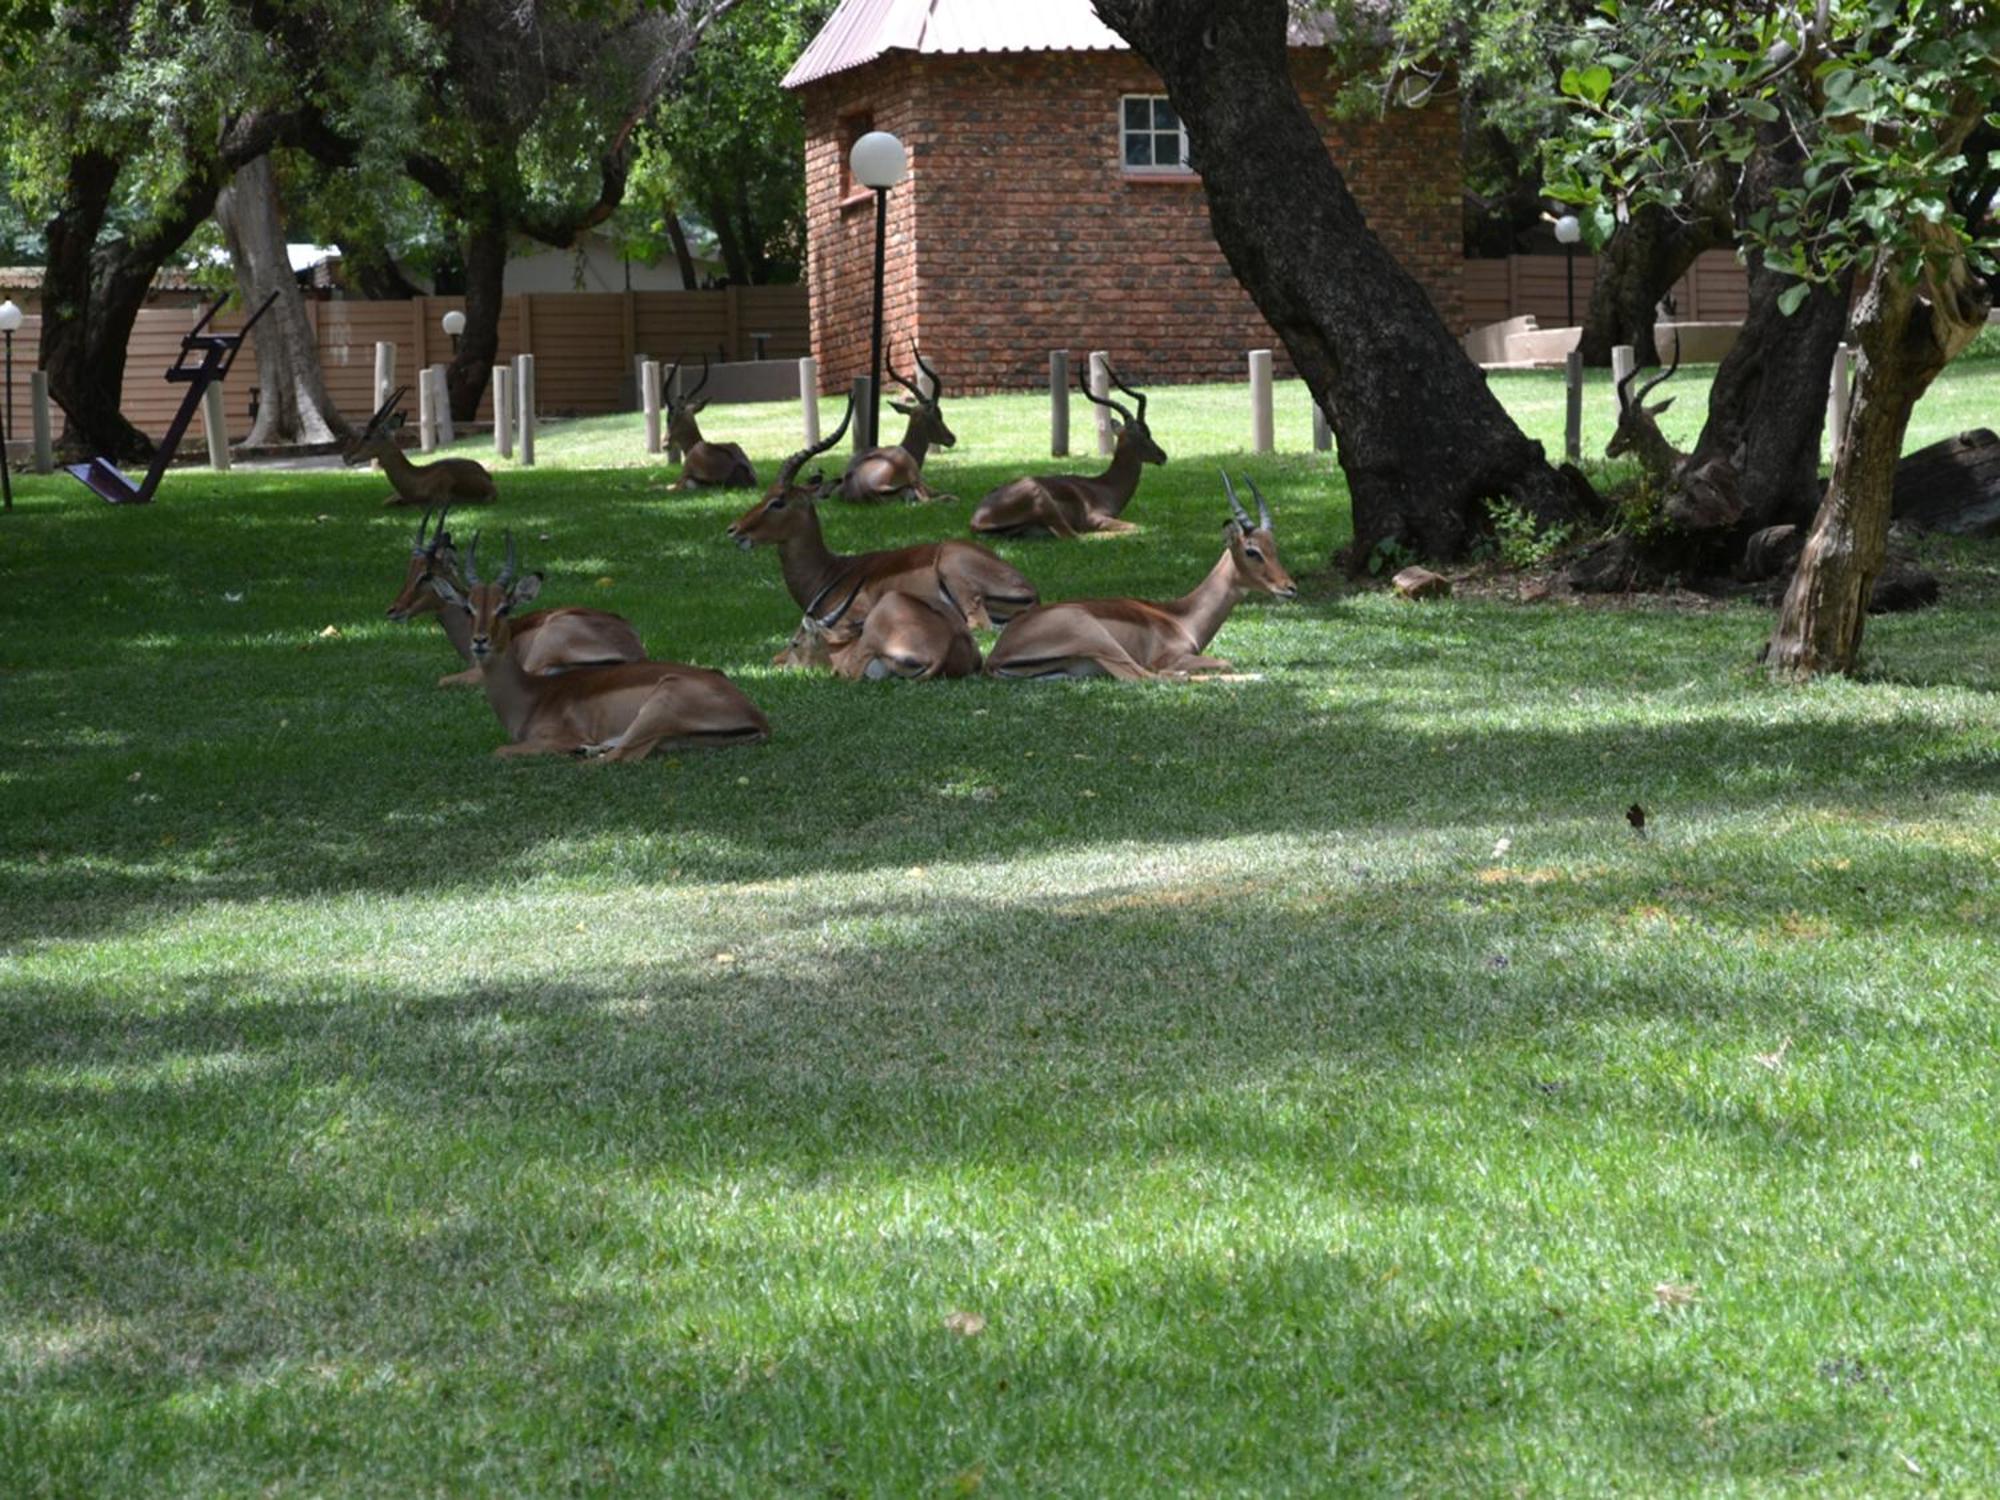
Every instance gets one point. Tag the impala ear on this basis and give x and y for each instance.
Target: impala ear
(1655, 410)
(696, 408)
(904, 407)
(395, 423)
(526, 589)
(446, 590)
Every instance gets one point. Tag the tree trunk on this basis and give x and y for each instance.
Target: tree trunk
(1645, 257)
(1423, 441)
(1906, 338)
(372, 271)
(485, 286)
(293, 405)
(683, 257)
(734, 262)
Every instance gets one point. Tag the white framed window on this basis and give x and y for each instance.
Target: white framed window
(1151, 137)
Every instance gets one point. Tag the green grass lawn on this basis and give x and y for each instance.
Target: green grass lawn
(1302, 1084)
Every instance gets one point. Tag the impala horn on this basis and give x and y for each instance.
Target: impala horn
(1625, 399)
(827, 622)
(792, 465)
(689, 397)
(382, 411)
(472, 564)
(1263, 510)
(667, 386)
(937, 385)
(1119, 381)
(507, 568)
(1083, 384)
(1235, 505)
(907, 384)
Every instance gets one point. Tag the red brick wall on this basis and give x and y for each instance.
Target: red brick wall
(1018, 231)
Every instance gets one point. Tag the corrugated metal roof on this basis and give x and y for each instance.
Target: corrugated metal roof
(862, 30)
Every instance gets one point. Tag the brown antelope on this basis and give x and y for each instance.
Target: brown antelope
(1067, 505)
(884, 473)
(987, 589)
(904, 635)
(705, 464)
(449, 481)
(549, 640)
(616, 712)
(1134, 638)
(1638, 430)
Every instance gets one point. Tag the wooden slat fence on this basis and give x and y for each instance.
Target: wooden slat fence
(583, 343)
(1715, 290)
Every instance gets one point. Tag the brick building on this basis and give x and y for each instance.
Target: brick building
(1048, 204)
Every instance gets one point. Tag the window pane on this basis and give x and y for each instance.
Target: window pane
(1167, 150)
(1138, 151)
(1135, 114)
(1164, 117)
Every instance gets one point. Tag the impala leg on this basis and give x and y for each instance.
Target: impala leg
(532, 747)
(470, 677)
(1112, 525)
(1093, 650)
(660, 717)
(1199, 664)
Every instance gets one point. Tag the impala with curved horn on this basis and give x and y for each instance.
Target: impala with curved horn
(1067, 505)
(704, 465)
(1638, 429)
(549, 640)
(884, 473)
(904, 635)
(1135, 638)
(615, 712)
(449, 481)
(987, 589)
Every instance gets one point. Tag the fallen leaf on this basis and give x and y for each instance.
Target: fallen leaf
(1500, 848)
(725, 958)
(233, 598)
(1909, 1463)
(135, 776)
(605, 582)
(965, 1324)
(969, 1481)
(743, 781)
(322, 517)
(1676, 1294)
(1774, 1060)
(332, 632)
(1088, 792)
(542, 536)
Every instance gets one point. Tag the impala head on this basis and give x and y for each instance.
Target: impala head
(823, 630)
(1255, 548)
(786, 507)
(379, 434)
(1131, 429)
(429, 557)
(1636, 420)
(926, 420)
(489, 604)
(682, 429)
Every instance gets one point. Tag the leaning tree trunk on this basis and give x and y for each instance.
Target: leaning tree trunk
(293, 404)
(1423, 442)
(683, 256)
(485, 289)
(1645, 256)
(1906, 338)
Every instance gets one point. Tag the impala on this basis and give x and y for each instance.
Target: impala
(883, 473)
(1135, 638)
(549, 640)
(1067, 505)
(914, 636)
(449, 481)
(987, 589)
(614, 712)
(704, 464)
(1638, 430)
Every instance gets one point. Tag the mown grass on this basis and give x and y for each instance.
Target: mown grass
(1311, 1081)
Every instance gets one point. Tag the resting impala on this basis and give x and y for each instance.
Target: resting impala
(1067, 505)
(914, 636)
(719, 465)
(1638, 431)
(615, 713)
(549, 640)
(1134, 638)
(449, 481)
(884, 473)
(988, 590)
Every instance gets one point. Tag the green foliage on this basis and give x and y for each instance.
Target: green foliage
(1523, 541)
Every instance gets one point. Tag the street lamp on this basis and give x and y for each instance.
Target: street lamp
(878, 161)
(1568, 231)
(10, 319)
(454, 324)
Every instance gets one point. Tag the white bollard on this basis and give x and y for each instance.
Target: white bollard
(503, 411)
(215, 429)
(1059, 403)
(639, 363)
(1322, 430)
(441, 406)
(427, 432)
(38, 404)
(1840, 392)
(858, 430)
(649, 399)
(385, 372)
(524, 402)
(809, 398)
(1260, 401)
(1573, 406)
(1100, 385)
(1623, 361)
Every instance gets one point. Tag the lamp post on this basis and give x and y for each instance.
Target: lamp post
(453, 323)
(10, 319)
(1568, 231)
(878, 161)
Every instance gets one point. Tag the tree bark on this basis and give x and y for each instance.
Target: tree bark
(735, 264)
(485, 288)
(1423, 442)
(1906, 337)
(293, 404)
(683, 256)
(1645, 257)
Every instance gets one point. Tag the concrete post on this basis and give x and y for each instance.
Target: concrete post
(649, 400)
(215, 429)
(639, 363)
(441, 406)
(1100, 385)
(1623, 362)
(427, 431)
(38, 411)
(1840, 392)
(1059, 403)
(524, 403)
(1261, 437)
(862, 394)
(1573, 406)
(1322, 430)
(385, 371)
(809, 398)
(503, 411)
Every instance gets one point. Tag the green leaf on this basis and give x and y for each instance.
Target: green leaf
(1790, 299)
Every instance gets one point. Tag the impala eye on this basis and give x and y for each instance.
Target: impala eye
(1253, 554)
(777, 505)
